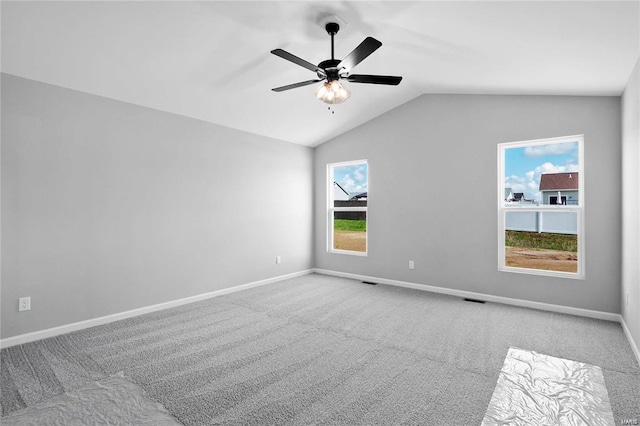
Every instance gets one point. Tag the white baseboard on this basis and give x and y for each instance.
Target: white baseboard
(471, 295)
(56, 331)
(632, 342)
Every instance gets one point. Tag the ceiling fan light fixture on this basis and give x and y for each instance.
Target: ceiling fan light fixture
(332, 92)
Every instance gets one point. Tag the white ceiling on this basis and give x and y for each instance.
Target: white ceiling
(211, 60)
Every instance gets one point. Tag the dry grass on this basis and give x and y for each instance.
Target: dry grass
(353, 241)
(547, 260)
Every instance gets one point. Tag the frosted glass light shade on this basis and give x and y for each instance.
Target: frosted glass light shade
(332, 92)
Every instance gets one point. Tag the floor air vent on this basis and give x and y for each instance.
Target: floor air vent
(474, 300)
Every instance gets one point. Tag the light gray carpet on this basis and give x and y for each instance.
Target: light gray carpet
(320, 350)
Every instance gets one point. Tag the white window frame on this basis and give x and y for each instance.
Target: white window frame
(331, 209)
(578, 209)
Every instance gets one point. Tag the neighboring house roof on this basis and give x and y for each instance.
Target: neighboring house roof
(358, 196)
(559, 181)
(508, 193)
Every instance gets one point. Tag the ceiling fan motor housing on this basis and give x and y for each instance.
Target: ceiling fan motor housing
(330, 68)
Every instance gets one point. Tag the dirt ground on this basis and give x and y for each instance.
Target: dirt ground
(549, 260)
(354, 241)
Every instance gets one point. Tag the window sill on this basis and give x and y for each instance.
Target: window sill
(556, 274)
(348, 252)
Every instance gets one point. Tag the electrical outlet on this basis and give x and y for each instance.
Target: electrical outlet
(411, 264)
(24, 304)
(278, 260)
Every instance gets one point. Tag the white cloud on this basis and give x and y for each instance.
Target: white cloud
(354, 185)
(552, 168)
(536, 151)
(516, 183)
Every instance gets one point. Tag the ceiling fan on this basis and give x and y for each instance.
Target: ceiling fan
(331, 71)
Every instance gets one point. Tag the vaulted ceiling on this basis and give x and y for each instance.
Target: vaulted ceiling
(211, 60)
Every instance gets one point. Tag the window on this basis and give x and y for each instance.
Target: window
(347, 207)
(541, 207)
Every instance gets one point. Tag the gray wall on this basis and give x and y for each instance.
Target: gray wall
(440, 152)
(108, 207)
(631, 204)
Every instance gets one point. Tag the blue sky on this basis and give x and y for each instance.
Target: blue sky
(524, 165)
(353, 178)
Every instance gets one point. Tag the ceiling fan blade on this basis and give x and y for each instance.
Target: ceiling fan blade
(298, 61)
(295, 85)
(359, 54)
(374, 79)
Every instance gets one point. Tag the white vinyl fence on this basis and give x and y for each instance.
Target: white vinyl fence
(553, 222)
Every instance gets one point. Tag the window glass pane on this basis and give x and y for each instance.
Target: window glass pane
(350, 231)
(350, 182)
(542, 174)
(541, 207)
(542, 240)
(348, 206)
